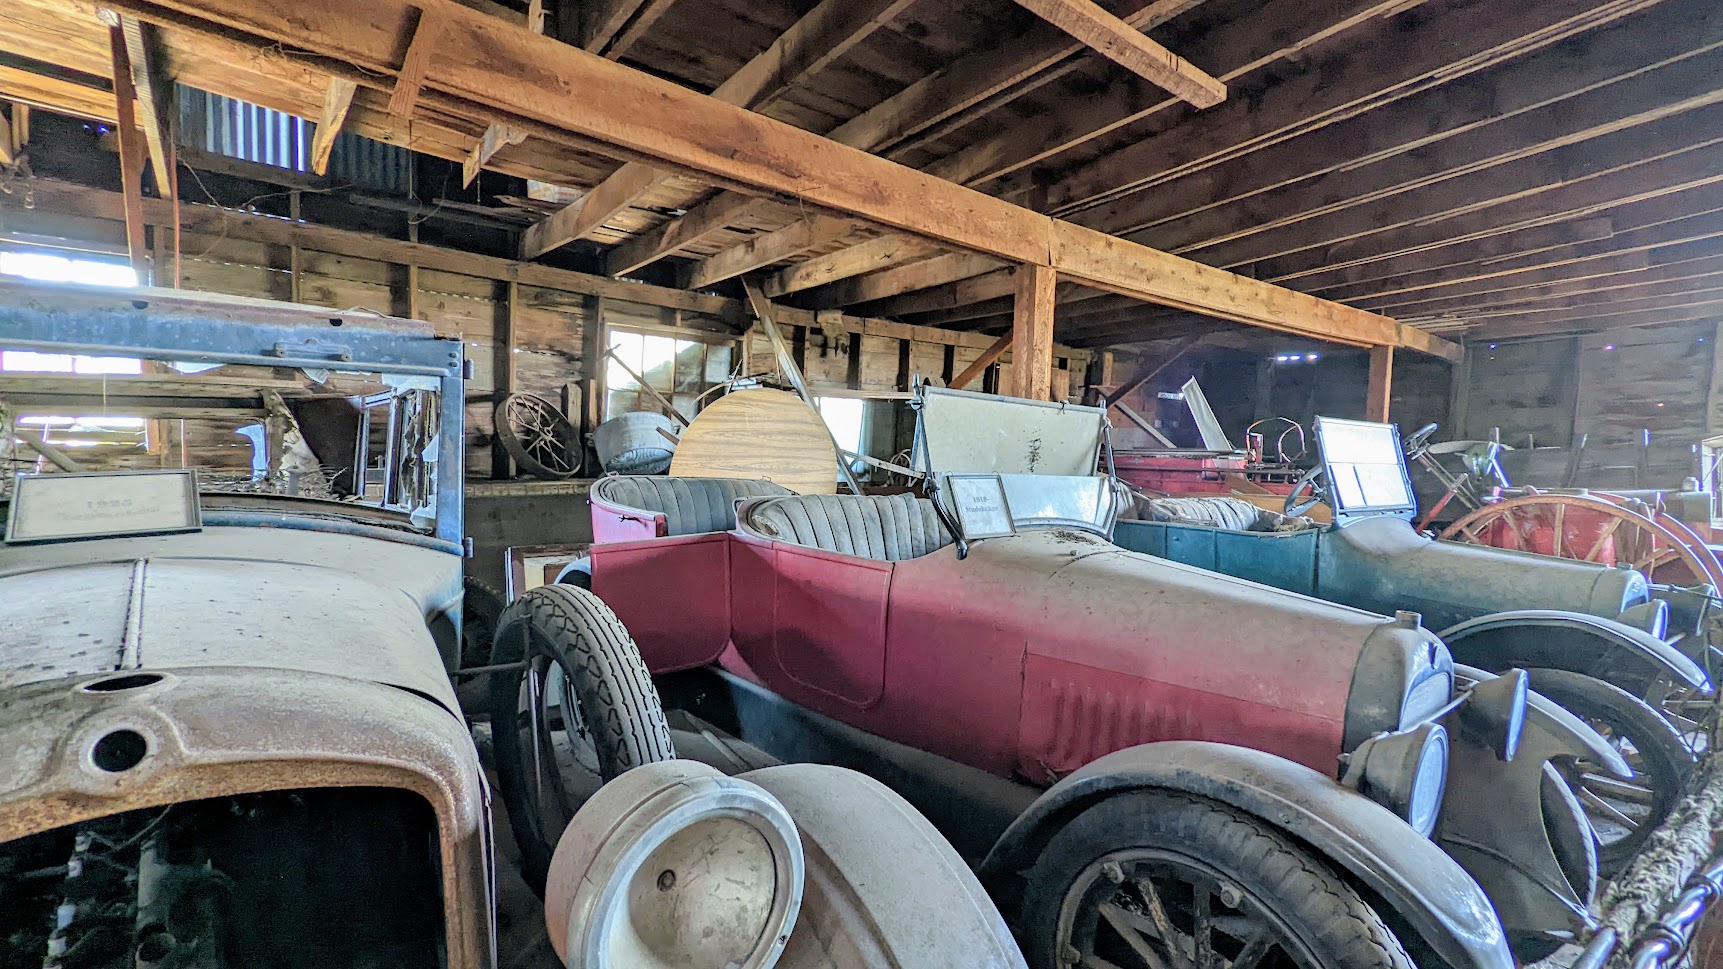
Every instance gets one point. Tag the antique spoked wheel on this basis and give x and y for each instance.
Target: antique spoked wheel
(1623, 814)
(1154, 880)
(538, 437)
(1590, 528)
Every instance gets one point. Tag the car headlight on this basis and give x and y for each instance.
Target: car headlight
(1406, 772)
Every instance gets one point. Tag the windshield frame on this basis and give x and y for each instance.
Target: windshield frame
(171, 325)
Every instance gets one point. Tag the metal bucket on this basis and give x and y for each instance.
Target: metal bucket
(631, 443)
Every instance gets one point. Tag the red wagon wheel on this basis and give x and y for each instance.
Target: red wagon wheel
(1691, 539)
(1588, 528)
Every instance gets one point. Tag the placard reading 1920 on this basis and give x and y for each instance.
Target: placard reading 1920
(58, 507)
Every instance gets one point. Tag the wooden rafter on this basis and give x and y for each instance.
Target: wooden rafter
(883, 252)
(611, 27)
(335, 106)
(826, 33)
(56, 94)
(903, 279)
(768, 248)
(154, 99)
(427, 28)
(1119, 42)
(132, 152)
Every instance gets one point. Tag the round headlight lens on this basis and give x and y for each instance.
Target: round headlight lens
(1429, 782)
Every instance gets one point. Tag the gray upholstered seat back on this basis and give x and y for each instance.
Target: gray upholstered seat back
(690, 506)
(890, 528)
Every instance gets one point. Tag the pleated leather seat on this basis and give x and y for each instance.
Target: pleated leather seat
(690, 506)
(889, 528)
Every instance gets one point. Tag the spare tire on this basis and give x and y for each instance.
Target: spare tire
(581, 712)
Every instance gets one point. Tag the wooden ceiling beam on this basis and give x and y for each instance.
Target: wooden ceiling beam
(155, 99)
(1510, 330)
(1696, 267)
(1582, 198)
(1379, 65)
(1124, 45)
(500, 70)
(705, 218)
(336, 103)
(1704, 226)
(924, 274)
(874, 255)
(610, 28)
(56, 94)
(989, 77)
(427, 28)
(1627, 73)
(1451, 177)
(768, 248)
(1676, 295)
(1520, 243)
(823, 35)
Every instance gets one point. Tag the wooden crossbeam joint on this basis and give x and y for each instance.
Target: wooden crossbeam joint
(336, 101)
(497, 137)
(154, 99)
(1123, 44)
(418, 60)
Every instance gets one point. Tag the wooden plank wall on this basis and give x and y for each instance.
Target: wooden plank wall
(1610, 386)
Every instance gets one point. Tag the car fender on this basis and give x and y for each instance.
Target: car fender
(1549, 639)
(1425, 888)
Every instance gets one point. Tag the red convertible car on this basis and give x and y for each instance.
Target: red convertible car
(1212, 769)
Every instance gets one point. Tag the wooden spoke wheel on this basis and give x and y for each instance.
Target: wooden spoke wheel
(538, 437)
(1591, 528)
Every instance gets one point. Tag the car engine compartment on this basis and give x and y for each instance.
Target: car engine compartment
(346, 878)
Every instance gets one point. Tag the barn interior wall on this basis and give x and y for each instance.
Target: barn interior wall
(1641, 400)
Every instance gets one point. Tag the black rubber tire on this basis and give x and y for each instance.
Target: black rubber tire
(1327, 917)
(612, 689)
(481, 607)
(1665, 761)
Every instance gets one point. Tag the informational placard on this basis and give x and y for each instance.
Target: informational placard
(979, 501)
(60, 507)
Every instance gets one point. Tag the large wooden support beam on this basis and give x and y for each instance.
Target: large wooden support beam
(56, 94)
(1032, 333)
(1119, 42)
(700, 221)
(487, 68)
(1381, 385)
(826, 33)
(336, 102)
(988, 358)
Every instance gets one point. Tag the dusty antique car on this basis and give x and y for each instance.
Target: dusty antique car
(227, 730)
(1603, 642)
(1213, 764)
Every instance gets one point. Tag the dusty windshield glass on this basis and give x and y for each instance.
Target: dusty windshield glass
(323, 442)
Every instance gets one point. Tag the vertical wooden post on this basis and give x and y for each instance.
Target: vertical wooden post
(503, 369)
(1459, 394)
(1032, 332)
(131, 153)
(1381, 384)
(593, 341)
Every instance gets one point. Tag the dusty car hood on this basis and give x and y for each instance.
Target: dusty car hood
(239, 597)
(1109, 608)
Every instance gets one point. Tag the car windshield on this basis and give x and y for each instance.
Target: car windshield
(362, 439)
(277, 410)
